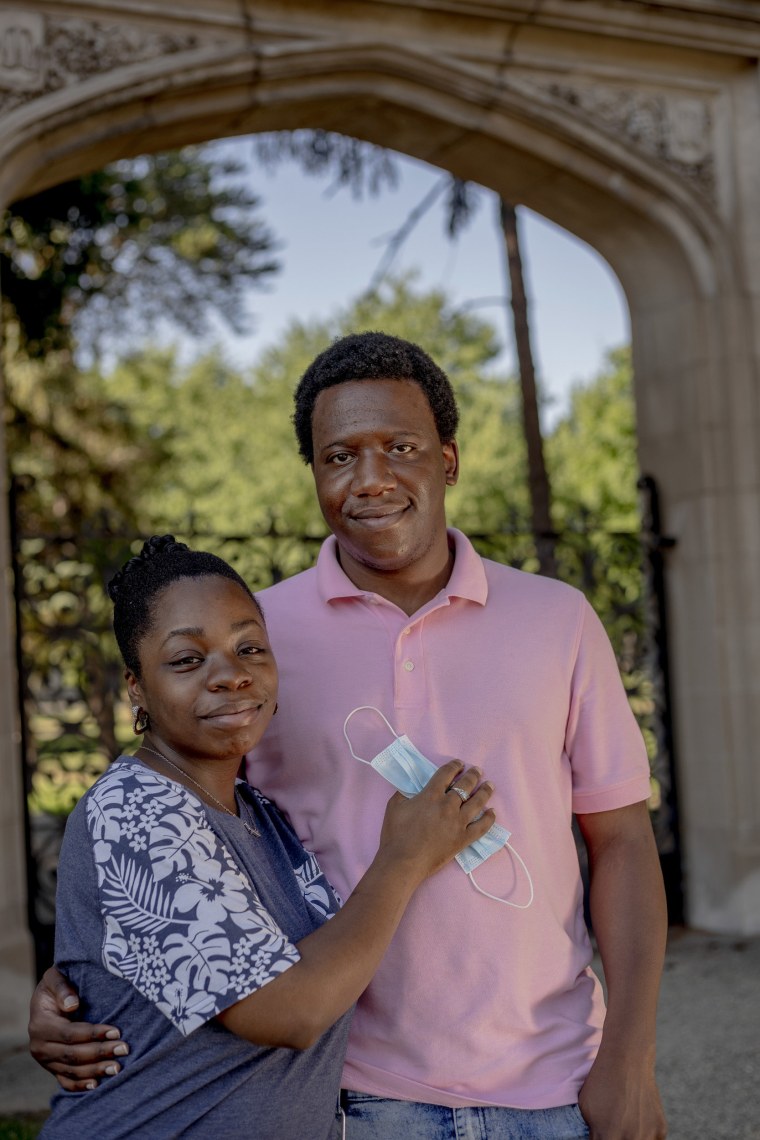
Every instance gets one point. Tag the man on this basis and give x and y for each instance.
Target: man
(484, 1018)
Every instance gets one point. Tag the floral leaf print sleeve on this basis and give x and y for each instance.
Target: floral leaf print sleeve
(314, 885)
(181, 922)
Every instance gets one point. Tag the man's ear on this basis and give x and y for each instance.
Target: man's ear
(451, 462)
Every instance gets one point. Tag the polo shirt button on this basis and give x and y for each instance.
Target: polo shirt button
(408, 665)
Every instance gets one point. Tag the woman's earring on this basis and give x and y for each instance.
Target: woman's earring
(140, 720)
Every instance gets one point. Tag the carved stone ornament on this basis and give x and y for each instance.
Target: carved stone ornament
(22, 36)
(39, 54)
(677, 129)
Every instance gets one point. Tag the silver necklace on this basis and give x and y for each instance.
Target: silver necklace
(248, 826)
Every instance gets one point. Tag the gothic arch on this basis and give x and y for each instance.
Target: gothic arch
(636, 130)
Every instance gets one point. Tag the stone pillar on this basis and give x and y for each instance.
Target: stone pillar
(647, 148)
(16, 952)
(699, 432)
(20, 41)
(698, 379)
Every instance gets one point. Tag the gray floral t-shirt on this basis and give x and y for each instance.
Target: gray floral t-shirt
(168, 912)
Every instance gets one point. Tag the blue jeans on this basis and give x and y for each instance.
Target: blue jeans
(375, 1118)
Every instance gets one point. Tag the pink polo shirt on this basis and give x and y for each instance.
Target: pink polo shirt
(475, 1003)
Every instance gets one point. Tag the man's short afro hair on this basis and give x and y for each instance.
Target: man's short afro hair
(373, 356)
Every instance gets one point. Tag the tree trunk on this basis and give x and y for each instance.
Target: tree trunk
(538, 479)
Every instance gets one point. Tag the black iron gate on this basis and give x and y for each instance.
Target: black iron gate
(665, 819)
(74, 717)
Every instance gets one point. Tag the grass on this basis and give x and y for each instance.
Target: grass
(22, 1127)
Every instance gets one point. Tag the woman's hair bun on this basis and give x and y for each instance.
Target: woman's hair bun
(156, 546)
(159, 544)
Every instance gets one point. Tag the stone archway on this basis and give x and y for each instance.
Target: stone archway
(634, 127)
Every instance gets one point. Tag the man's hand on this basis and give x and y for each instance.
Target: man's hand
(77, 1053)
(620, 1101)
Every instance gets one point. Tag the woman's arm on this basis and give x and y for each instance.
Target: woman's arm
(339, 959)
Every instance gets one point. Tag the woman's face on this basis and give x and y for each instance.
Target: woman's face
(209, 678)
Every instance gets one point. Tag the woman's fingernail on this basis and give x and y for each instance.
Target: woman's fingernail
(113, 1035)
(91, 1085)
(121, 1050)
(70, 1003)
(112, 1070)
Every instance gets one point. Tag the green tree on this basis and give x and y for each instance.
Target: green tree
(207, 451)
(592, 449)
(209, 454)
(172, 236)
(592, 453)
(231, 464)
(75, 461)
(363, 167)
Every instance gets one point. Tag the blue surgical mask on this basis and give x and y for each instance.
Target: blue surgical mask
(403, 765)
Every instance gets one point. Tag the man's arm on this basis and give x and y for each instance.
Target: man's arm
(619, 1099)
(77, 1053)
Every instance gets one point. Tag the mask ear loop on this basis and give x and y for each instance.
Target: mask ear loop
(362, 708)
(470, 875)
(506, 902)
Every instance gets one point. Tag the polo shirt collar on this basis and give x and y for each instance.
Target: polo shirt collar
(468, 578)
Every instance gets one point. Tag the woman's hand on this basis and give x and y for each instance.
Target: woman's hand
(418, 837)
(423, 833)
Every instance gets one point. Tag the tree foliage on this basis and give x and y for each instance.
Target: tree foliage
(361, 165)
(231, 464)
(593, 449)
(173, 236)
(592, 452)
(75, 459)
(207, 451)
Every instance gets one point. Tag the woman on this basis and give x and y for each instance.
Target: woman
(188, 912)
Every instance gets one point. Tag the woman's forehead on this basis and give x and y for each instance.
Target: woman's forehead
(202, 597)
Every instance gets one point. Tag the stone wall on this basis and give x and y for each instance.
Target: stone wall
(636, 127)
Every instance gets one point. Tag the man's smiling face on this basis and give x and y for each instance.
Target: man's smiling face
(381, 473)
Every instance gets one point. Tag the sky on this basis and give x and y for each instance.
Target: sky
(332, 244)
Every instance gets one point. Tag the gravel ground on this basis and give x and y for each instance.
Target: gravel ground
(708, 1057)
(708, 1052)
